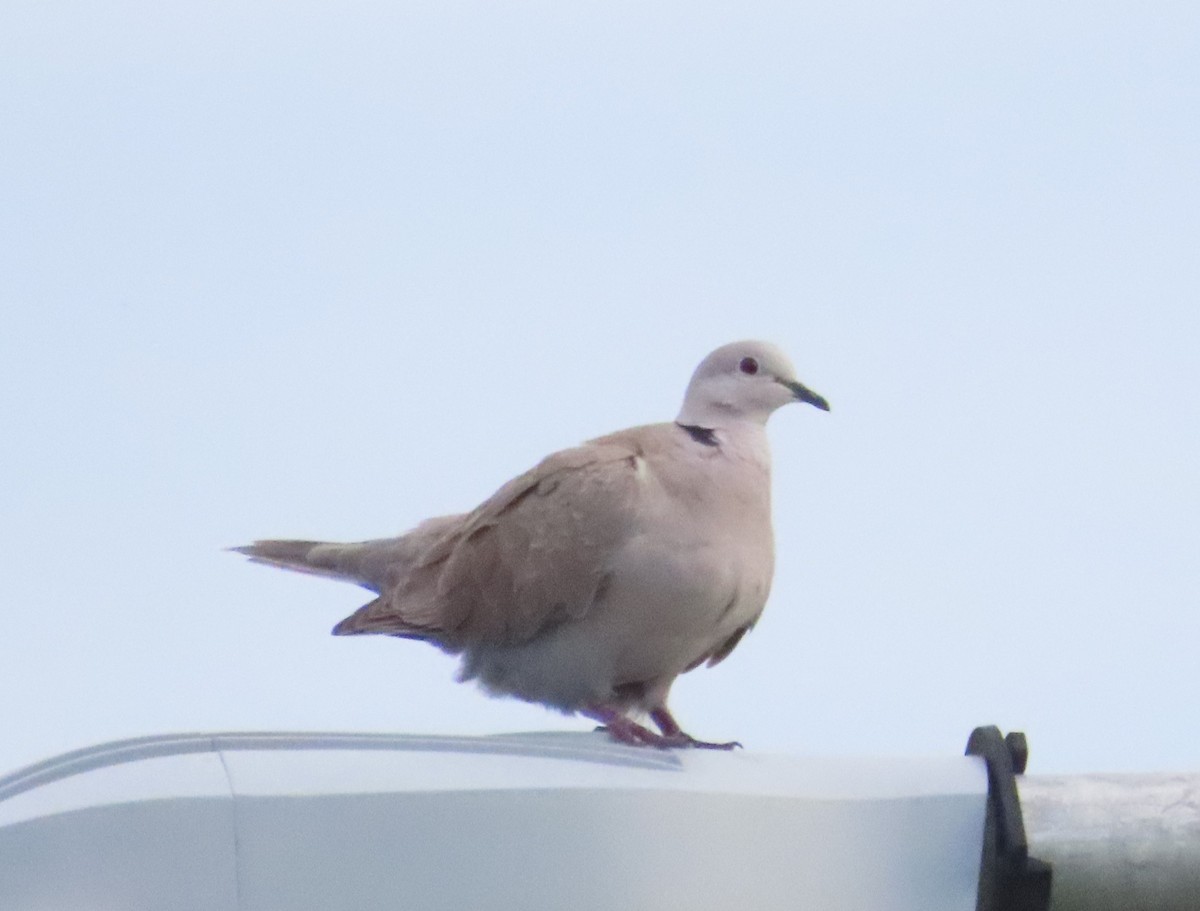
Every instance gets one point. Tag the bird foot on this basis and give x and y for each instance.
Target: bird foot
(666, 723)
(624, 730)
(636, 735)
(629, 732)
(689, 740)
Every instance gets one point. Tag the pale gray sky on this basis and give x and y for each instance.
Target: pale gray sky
(318, 269)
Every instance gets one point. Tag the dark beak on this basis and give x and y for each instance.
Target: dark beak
(804, 394)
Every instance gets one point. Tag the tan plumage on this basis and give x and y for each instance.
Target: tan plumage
(592, 581)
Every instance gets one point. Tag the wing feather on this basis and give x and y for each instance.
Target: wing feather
(533, 555)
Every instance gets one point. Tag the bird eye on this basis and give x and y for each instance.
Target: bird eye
(748, 365)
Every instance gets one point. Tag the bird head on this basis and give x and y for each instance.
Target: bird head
(743, 381)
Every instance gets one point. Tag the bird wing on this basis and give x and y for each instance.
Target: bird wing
(533, 555)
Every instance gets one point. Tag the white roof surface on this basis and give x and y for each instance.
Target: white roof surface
(267, 822)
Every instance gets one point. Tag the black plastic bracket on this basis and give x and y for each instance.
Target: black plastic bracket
(1009, 879)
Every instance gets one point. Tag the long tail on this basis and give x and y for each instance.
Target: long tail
(318, 558)
(365, 564)
(379, 565)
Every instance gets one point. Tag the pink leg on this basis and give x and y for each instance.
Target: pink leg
(672, 732)
(625, 730)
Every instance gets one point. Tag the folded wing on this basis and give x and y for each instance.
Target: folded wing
(534, 555)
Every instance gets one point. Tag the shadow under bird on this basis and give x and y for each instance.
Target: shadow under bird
(589, 583)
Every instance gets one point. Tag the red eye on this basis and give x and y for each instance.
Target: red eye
(748, 365)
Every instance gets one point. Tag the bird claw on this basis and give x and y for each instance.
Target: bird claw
(625, 730)
(634, 734)
(672, 731)
(710, 745)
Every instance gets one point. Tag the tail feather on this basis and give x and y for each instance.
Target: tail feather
(375, 565)
(318, 558)
(381, 618)
(381, 565)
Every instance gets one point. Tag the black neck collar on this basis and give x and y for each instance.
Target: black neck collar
(705, 436)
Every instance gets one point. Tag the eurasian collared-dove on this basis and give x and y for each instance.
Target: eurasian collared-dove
(591, 582)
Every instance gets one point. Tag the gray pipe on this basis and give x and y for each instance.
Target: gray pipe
(1116, 842)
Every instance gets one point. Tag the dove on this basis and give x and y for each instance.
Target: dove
(591, 582)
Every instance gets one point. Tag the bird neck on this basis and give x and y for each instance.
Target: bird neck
(717, 415)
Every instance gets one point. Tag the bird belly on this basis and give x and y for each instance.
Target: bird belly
(682, 604)
(665, 607)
